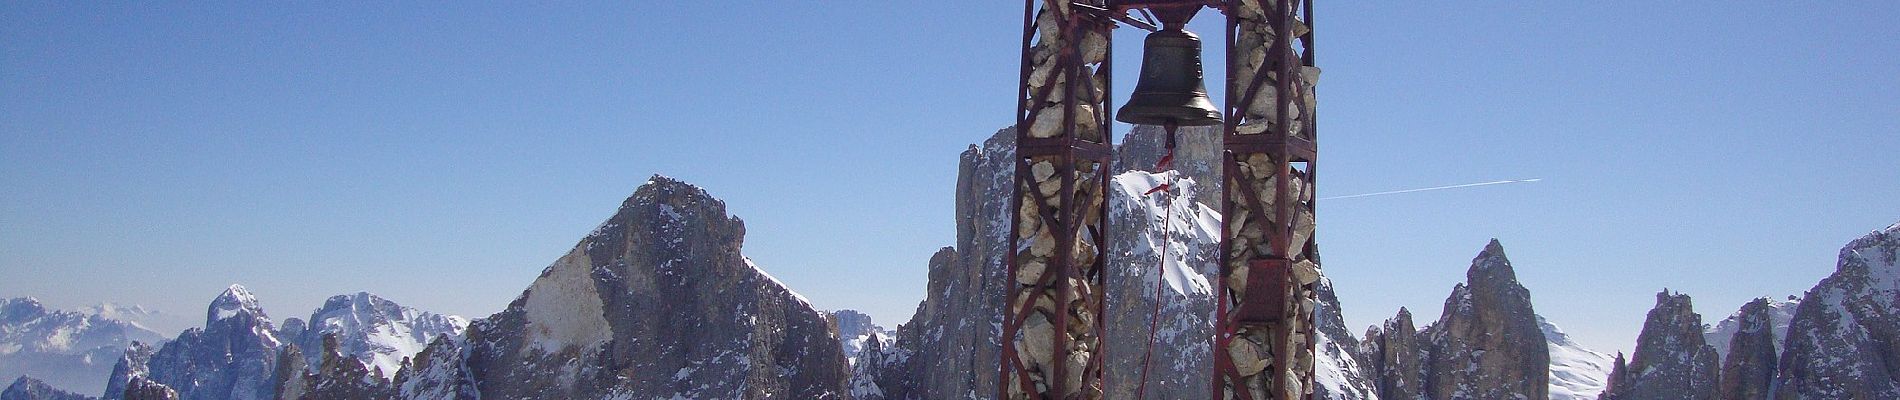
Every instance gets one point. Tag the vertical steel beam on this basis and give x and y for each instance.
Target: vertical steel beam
(1264, 344)
(1052, 326)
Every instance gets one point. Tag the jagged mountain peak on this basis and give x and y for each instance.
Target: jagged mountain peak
(1840, 341)
(1491, 265)
(29, 388)
(376, 331)
(656, 301)
(235, 300)
(20, 307)
(1780, 311)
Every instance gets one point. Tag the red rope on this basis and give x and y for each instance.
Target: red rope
(1161, 269)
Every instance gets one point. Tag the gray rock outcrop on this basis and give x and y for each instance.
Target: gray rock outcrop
(1671, 360)
(1396, 357)
(1749, 369)
(145, 389)
(1487, 344)
(1844, 341)
(657, 302)
(231, 358)
(133, 364)
(28, 388)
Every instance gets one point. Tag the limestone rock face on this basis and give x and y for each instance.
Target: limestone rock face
(1197, 153)
(1844, 341)
(291, 375)
(231, 357)
(949, 348)
(340, 376)
(145, 389)
(27, 388)
(133, 364)
(1487, 344)
(1749, 370)
(1343, 371)
(1163, 247)
(1396, 357)
(1781, 311)
(657, 302)
(1671, 360)
(853, 328)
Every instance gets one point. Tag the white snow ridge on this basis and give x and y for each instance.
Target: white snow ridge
(1575, 372)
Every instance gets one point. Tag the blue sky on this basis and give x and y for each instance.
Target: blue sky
(441, 154)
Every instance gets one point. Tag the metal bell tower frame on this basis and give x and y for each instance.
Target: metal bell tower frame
(1052, 328)
(1052, 331)
(1264, 338)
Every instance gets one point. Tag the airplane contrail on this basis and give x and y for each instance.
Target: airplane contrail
(1434, 188)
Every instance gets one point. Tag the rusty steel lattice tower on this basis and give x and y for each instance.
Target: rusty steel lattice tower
(1264, 334)
(1052, 329)
(1052, 326)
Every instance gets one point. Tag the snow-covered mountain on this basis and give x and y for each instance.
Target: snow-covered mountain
(856, 331)
(1844, 339)
(1576, 372)
(150, 319)
(237, 353)
(948, 349)
(29, 388)
(374, 330)
(70, 350)
(231, 357)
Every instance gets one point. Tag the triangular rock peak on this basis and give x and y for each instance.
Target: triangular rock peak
(657, 301)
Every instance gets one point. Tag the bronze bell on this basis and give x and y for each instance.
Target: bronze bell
(1171, 90)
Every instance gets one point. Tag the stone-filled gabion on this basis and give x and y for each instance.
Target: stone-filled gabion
(1250, 224)
(1066, 63)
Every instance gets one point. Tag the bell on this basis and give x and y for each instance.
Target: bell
(1171, 91)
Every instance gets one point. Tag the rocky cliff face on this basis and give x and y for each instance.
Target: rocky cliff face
(1671, 360)
(145, 389)
(1781, 311)
(1748, 370)
(1396, 359)
(28, 388)
(1844, 340)
(134, 364)
(1162, 249)
(658, 301)
(65, 349)
(1487, 344)
(1342, 369)
(855, 331)
(339, 376)
(948, 349)
(231, 357)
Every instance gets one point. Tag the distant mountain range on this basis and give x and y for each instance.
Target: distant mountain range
(659, 301)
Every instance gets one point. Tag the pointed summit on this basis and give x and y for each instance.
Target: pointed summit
(235, 300)
(661, 292)
(1491, 267)
(1487, 344)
